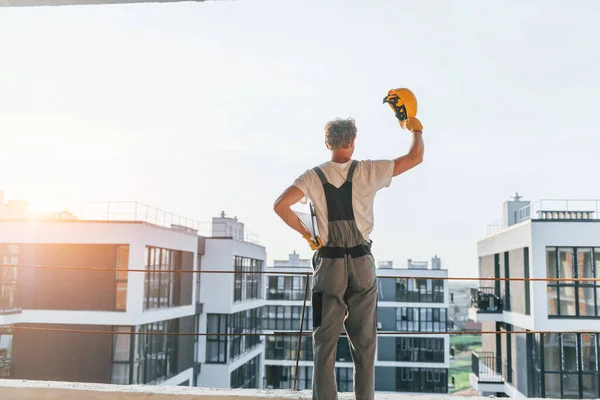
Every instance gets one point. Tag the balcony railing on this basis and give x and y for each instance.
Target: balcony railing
(483, 366)
(6, 369)
(485, 300)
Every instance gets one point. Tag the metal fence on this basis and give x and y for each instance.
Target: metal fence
(136, 211)
(550, 209)
(559, 210)
(483, 366)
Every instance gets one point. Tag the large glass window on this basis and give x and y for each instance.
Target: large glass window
(216, 345)
(247, 279)
(577, 297)
(570, 365)
(147, 357)
(121, 355)
(411, 349)
(246, 376)
(422, 380)
(277, 318)
(409, 319)
(162, 281)
(282, 377)
(344, 379)
(286, 287)
(419, 290)
(243, 329)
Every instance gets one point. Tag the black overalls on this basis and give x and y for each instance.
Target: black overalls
(344, 291)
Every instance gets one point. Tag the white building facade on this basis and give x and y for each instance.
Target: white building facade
(408, 301)
(546, 239)
(232, 296)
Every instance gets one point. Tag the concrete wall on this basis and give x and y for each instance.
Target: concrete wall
(32, 390)
(65, 356)
(521, 359)
(517, 288)
(486, 270)
(53, 289)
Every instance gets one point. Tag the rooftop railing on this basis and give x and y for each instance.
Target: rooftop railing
(559, 210)
(554, 210)
(136, 211)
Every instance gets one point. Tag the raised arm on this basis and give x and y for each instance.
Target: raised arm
(414, 156)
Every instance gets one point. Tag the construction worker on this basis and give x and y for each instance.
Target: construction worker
(344, 288)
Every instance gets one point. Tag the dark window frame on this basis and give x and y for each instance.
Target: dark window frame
(578, 287)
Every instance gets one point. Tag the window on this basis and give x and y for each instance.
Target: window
(141, 358)
(576, 298)
(344, 379)
(155, 355)
(409, 319)
(277, 318)
(216, 346)
(9, 259)
(121, 355)
(196, 337)
(286, 287)
(221, 348)
(282, 377)
(412, 349)
(246, 376)
(570, 365)
(286, 348)
(419, 290)
(422, 380)
(162, 287)
(122, 273)
(247, 279)
(197, 274)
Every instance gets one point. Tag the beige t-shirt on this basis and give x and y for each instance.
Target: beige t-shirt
(369, 177)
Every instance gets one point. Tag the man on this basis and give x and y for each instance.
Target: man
(344, 289)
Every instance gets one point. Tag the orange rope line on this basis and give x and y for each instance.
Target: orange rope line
(441, 278)
(292, 333)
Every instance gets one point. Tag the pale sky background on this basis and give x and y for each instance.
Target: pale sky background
(203, 107)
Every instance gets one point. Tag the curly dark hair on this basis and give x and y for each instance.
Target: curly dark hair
(339, 133)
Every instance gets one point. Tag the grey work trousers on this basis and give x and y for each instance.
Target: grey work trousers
(344, 292)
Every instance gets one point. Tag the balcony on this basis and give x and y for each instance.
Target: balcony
(484, 375)
(8, 290)
(486, 306)
(6, 369)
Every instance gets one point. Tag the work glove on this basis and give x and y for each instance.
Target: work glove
(412, 124)
(313, 246)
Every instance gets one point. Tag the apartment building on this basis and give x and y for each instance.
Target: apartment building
(544, 239)
(408, 301)
(233, 296)
(72, 275)
(52, 278)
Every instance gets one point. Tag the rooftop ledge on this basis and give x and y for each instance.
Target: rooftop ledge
(42, 390)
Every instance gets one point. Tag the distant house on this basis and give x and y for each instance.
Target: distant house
(472, 326)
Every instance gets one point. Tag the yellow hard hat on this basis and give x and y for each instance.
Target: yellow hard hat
(403, 102)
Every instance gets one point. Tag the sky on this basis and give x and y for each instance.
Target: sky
(201, 107)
